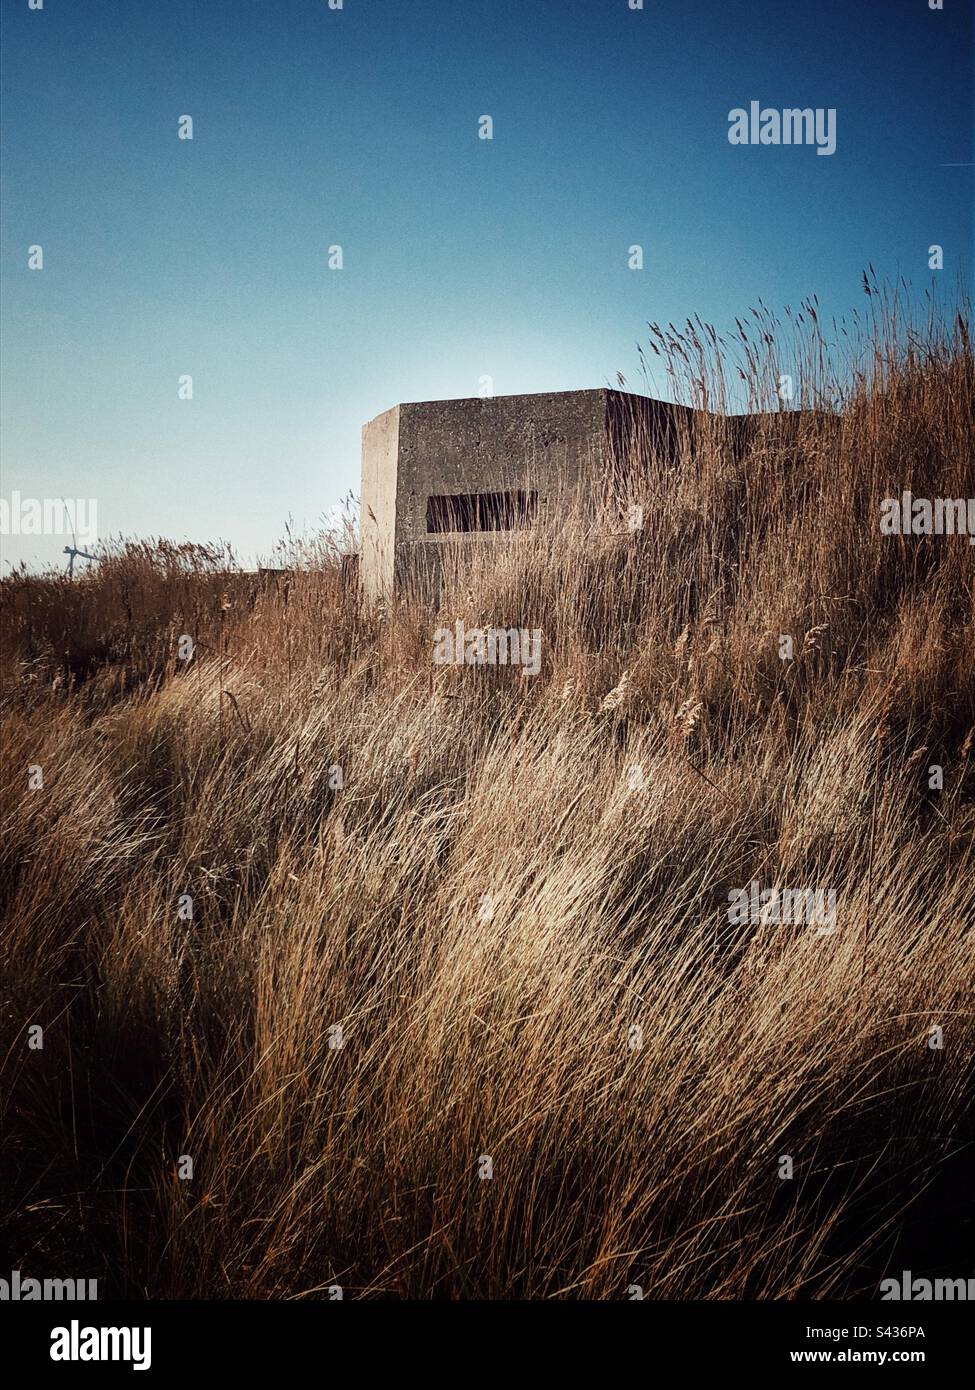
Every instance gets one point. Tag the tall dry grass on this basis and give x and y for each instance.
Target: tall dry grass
(507, 1030)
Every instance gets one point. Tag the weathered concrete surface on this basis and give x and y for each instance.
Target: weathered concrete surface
(553, 445)
(377, 520)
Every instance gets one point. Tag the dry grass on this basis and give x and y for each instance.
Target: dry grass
(470, 1033)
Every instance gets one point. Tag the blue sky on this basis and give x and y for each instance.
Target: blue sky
(463, 258)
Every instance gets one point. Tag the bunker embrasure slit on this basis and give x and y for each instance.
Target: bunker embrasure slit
(481, 511)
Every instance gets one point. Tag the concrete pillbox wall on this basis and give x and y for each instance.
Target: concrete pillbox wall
(482, 461)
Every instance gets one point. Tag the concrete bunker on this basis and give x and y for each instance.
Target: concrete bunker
(463, 471)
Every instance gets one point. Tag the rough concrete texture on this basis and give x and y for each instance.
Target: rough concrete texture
(377, 521)
(553, 445)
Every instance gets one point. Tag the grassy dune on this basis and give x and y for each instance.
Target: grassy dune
(524, 942)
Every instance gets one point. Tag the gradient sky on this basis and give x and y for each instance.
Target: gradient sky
(463, 257)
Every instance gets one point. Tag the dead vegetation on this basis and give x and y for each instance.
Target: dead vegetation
(339, 813)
